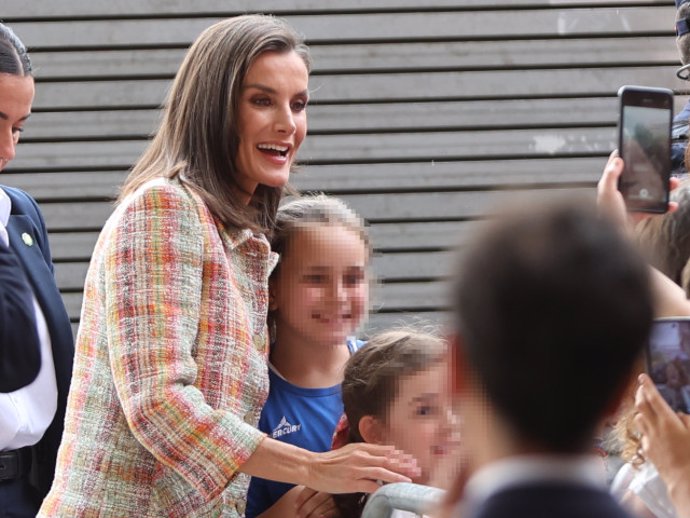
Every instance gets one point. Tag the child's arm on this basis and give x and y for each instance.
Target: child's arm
(302, 502)
(632, 503)
(669, 298)
(284, 506)
(315, 503)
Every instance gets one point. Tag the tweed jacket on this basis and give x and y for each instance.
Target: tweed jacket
(170, 371)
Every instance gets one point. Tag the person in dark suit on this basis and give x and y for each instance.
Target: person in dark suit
(20, 357)
(31, 418)
(552, 308)
(681, 122)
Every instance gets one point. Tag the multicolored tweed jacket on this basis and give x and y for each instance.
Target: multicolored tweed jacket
(170, 370)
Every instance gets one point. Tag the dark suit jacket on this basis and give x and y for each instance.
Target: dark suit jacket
(29, 240)
(548, 500)
(20, 355)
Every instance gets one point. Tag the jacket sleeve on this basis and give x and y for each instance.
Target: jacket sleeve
(20, 358)
(153, 274)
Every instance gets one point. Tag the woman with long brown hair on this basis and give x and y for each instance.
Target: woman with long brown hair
(170, 370)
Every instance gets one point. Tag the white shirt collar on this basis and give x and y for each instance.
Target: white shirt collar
(5, 207)
(578, 469)
(28, 412)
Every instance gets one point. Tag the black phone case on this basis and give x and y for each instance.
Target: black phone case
(658, 98)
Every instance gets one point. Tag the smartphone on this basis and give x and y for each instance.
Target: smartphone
(668, 361)
(644, 143)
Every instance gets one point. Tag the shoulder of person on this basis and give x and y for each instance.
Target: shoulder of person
(165, 195)
(22, 201)
(160, 186)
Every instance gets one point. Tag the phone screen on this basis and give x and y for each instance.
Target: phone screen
(645, 145)
(668, 358)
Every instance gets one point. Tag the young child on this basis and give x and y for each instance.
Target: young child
(318, 297)
(395, 391)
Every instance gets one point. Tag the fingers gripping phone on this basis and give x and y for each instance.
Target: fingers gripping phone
(644, 143)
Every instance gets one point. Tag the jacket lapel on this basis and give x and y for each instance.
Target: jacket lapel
(24, 243)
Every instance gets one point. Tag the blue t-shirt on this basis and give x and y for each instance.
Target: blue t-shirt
(305, 417)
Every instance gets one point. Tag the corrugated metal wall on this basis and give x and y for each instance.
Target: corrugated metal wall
(425, 114)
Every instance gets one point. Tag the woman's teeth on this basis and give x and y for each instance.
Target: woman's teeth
(273, 148)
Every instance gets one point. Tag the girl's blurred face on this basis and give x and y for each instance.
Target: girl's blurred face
(320, 294)
(272, 119)
(420, 421)
(16, 96)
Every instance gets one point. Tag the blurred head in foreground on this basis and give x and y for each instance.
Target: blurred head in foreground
(552, 306)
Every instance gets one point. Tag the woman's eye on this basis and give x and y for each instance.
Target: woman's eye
(261, 101)
(298, 106)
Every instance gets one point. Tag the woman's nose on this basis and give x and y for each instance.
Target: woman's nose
(7, 147)
(285, 122)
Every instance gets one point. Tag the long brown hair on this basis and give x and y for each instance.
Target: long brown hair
(197, 140)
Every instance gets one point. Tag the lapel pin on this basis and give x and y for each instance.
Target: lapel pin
(28, 240)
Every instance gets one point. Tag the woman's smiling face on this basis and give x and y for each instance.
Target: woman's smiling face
(272, 119)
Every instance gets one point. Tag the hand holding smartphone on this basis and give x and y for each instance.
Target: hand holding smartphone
(644, 143)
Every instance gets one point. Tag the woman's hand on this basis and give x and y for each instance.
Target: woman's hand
(354, 468)
(665, 441)
(360, 468)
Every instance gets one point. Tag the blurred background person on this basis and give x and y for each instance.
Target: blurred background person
(543, 356)
(30, 418)
(681, 120)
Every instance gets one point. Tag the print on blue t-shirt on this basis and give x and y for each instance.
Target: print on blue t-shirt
(305, 417)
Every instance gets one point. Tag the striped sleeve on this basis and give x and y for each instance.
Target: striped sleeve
(154, 271)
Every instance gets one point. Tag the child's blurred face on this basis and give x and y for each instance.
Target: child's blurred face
(321, 291)
(420, 420)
